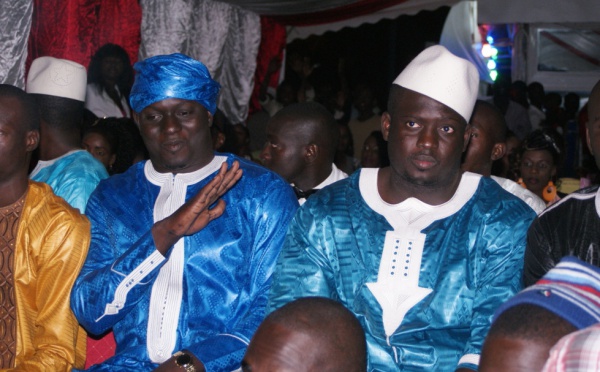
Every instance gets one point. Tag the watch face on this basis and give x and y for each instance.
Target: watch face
(184, 359)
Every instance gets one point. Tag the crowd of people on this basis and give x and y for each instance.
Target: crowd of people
(141, 230)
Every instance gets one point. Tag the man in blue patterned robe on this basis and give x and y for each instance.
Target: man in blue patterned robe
(421, 253)
(181, 290)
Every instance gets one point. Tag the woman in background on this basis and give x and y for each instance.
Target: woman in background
(540, 157)
(374, 151)
(110, 77)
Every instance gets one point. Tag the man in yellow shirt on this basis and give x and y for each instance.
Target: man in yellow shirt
(43, 244)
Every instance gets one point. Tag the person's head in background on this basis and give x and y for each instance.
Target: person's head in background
(364, 101)
(101, 140)
(488, 139)
(116, 143)
(526, 327)
(572, 103)
(555, 115)
(287, 92)
(540, 157)
(301, 144)
(308, 334)
(375, 151)
(518, 93)
(111, 66)
(508, 165)
(536, 94)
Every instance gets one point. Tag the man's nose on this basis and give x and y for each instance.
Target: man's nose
(428, 137)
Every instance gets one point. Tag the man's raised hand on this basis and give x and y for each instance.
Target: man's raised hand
(195, 214)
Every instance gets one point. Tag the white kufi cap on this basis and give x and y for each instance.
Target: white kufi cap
(57, 77)
(448, 79)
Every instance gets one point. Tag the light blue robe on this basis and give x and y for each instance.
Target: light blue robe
(73, 176)
(424, 281)
(224, 274)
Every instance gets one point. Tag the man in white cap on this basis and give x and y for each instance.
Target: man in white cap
(421, 253)
(58, 86)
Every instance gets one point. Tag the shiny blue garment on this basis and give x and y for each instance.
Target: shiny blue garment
(73, 176)
(471, 261)
(173, 76)
(226, 275)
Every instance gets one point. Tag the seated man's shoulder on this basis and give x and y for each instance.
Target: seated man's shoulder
(493, 190)
(83, 163)
(44, 203)
(341, 192)
(576, 203)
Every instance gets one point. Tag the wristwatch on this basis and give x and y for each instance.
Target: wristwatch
(185, 361)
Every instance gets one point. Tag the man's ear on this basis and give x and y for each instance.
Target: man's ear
(32, 140)
(311, 153)
(498, 151)
(386, 121)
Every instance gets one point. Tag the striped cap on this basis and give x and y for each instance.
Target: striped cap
(570, 290)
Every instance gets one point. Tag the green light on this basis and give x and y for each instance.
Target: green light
(493, 75)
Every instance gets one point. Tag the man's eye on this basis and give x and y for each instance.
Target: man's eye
(184, 113)
(449, 129)
(152, 117)
(412, 124)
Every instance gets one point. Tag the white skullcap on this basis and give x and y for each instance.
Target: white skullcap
(448, 79)
(57, 77)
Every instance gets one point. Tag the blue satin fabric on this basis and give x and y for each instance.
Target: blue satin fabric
(226, 278)
(472, 260)
(173, 76)
(73, 177)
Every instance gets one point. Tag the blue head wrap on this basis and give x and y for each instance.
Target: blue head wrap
(173, 76)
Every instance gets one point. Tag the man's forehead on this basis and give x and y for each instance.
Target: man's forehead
(172, 103)
(410, 102)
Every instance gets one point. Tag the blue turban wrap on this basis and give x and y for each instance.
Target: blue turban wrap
(173, 76)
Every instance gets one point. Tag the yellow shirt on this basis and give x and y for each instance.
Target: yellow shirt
(52, 243)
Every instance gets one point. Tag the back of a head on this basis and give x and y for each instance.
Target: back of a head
(567, 298)
(317, 123)
(536, 93)
(58, 86)
(30, 112)
(337, 338)
(494, 121)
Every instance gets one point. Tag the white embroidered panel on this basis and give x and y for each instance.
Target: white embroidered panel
(397, 288)
(167, 291)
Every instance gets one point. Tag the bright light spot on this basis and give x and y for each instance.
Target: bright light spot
(490, 39)
(486, 50)
(494, 74)
(494, 52)
(491, 64)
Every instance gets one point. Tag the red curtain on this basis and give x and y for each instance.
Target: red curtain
(75, 29)
(272, 43)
